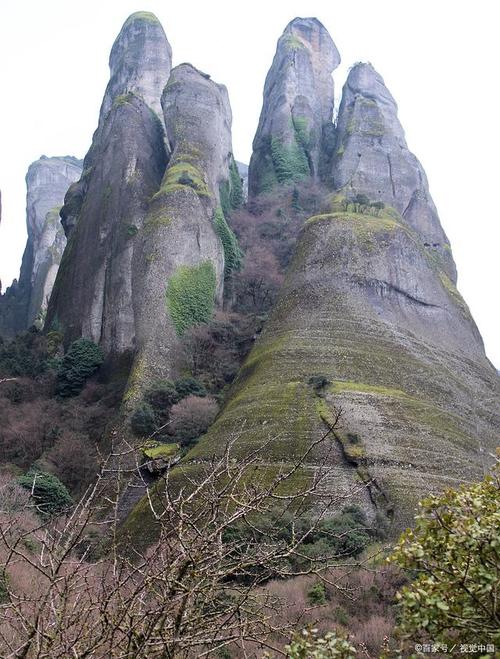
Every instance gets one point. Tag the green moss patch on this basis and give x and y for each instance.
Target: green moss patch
(190, 295)
(290, 161)
(293, 43)
(232, 252)
(182, 175)
(156, 450)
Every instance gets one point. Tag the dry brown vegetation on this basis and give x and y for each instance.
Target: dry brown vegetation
(202, 588)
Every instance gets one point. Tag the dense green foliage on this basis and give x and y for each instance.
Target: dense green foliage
(232, 252)
(189, 387)
(190, 295)
(454, 550)
(80, 362)
(29, 354)
(236, 188)
(290, 161)
(152, 414)
(50, 495)
(346, 534)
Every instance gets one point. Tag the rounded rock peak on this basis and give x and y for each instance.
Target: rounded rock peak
(146, 16)
(138, 34)
(365, 80)
(311, 33)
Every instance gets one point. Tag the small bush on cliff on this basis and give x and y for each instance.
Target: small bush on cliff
(50, 495)
(191, 418)
(80, 362)
(143, 420)
(189, 387)
(454, 550)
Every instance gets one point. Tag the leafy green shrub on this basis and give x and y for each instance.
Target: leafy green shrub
(143, 420)
(50, 495)
(190, 387)
(27, 355)
(190, 295)
(80, 362)
(290, 161)
(317, 594)
(454, 551)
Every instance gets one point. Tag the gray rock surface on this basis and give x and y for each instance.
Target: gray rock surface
(103, 212)
(140, 63)
(297, 107)
(178, 241)
(47, 181)
(92, 297)
(372, 158)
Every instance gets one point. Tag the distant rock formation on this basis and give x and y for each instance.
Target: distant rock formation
(296, 117)
(25, 302)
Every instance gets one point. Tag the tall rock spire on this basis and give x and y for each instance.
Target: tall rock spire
(297, 107)
(372, 159)
(47, 181)
(140, 62)
(105, 209)
(180, 266)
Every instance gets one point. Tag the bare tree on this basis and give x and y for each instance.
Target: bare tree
(224, 528)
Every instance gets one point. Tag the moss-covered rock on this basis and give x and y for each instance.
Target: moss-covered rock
(190, 295)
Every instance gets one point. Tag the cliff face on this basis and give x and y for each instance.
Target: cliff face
(179, 269)
(369, 303)
(295, 122)
(25, 303)
(105, 209)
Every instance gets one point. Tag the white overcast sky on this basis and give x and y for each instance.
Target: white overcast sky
(439, 59)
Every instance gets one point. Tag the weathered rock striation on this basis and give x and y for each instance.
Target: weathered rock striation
(105, 209)
(295, 124)
(25, 302)
(370, 305)
(179, 271)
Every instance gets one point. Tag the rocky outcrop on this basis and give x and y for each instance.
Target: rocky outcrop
(372, 159)
(296, 117)
(25, 303)
(180, 266)
(105, 210)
